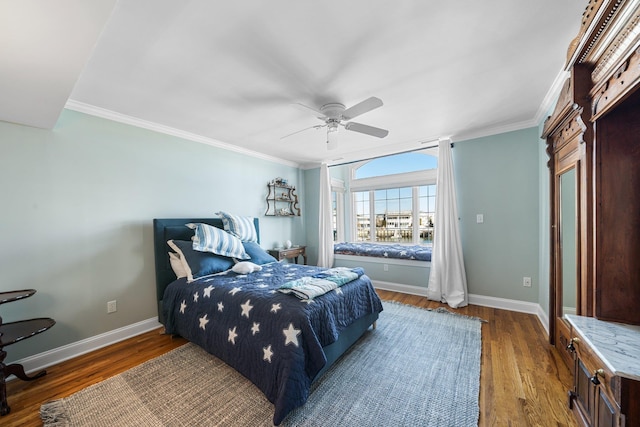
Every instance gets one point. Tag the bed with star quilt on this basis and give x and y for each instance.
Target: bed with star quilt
(280, 325)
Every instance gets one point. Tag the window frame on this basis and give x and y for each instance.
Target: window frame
(384, 182)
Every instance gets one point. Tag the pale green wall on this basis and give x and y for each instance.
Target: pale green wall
(498, 177)
(77, 208)
(544, 216)
(78, 203)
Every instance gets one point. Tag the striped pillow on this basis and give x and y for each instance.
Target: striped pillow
(208, 238)
(240, 226)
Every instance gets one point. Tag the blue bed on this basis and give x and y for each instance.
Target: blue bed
(278, 341)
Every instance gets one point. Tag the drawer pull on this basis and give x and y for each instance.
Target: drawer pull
(570, 346)
(594, 378)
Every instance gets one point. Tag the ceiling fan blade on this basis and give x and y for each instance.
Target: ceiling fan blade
(369, 130)
(302, 130)
(308, 109)
(361, 108)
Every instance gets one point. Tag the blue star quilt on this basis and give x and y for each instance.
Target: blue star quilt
(273, 339)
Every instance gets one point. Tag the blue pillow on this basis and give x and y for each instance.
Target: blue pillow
(240, 226)
(199, 264)
(258, 255)
(208, 238)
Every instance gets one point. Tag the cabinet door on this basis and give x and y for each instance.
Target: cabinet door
(584, 391)
(606, 411)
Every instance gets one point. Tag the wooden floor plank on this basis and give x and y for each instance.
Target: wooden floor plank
(523, 381)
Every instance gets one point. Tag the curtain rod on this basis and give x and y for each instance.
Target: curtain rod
(386, 155)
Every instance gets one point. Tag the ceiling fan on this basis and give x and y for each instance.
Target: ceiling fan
(335, 114)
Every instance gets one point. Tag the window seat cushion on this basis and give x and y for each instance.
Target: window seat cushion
(382, 250)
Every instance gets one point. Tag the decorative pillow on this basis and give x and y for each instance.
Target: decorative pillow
(240, 226)
(198, 264)
(176, 265)
(258, 255)
(208, 238)
(246, 267)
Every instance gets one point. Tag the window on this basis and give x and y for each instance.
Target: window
(396, 205)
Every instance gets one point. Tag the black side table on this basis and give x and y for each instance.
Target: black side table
(11, 333)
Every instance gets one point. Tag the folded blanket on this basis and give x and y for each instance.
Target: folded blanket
(321, 283)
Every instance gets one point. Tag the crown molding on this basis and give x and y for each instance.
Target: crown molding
(144, 124)
(551, 96)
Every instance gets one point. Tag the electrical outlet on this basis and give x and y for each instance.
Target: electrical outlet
(526, 282)
(385, 267)
(112, 306)
(480, 218)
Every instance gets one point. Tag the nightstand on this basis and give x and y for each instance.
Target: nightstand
(291, 253)
(11, 333)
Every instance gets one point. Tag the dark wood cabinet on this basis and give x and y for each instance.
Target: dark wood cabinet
(593, 143)
(617, 263)
(606, 388)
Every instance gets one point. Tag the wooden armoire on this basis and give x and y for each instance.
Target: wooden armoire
(593, 143)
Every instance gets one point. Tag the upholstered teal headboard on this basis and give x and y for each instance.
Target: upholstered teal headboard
(174, 228)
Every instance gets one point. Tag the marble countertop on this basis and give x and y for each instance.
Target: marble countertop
(617, 344)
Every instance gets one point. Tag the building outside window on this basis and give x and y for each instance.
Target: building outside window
(396, 207)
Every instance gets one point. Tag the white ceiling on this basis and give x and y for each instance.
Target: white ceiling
(228, 73)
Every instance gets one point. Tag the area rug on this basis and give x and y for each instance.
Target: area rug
(418, 368)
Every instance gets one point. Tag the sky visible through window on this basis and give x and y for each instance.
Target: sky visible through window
(394, 216)
(400, 163)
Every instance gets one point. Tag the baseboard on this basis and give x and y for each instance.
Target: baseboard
(398, 287)
(57, 355)
(481, 300)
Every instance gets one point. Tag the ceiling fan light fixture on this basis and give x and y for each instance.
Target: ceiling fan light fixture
(332, 136)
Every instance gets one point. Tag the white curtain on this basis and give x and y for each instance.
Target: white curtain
(447, 279)
(325, 220)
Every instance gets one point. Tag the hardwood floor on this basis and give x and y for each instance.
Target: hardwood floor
(523, 381)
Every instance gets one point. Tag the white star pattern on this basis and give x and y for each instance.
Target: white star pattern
(183, 306)
(275, 307)
(262, 286)
(246, 308)
(207, 291)
(267, 353)
(339, 291)
(195, 297)
(308, 301)
(235, 291)
(233, 335)
(220, 306)
(255, 328)
(291, 335)
(203, 322)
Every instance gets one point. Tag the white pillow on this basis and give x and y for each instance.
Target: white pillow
(246, 267)
(176, 265)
